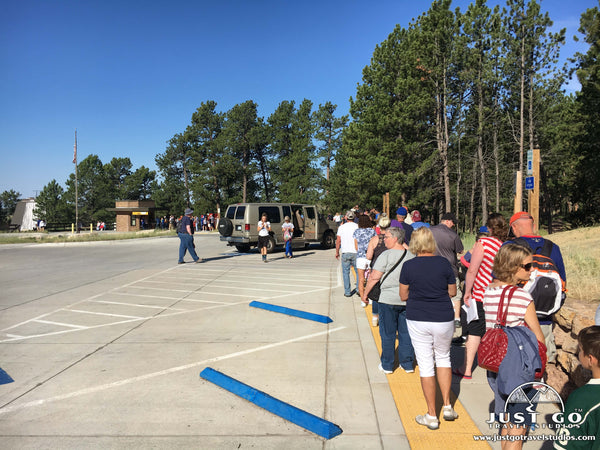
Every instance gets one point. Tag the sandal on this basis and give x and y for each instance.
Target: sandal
(459, 374)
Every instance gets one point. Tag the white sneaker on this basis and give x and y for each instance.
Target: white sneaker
(383, 370)
(408, 370)
(449, 413)
(430, 422)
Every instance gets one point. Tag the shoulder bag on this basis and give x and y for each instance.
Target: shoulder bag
(375, 292)
(492, 349)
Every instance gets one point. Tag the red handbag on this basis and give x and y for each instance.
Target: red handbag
(543, 357)
(492, 349)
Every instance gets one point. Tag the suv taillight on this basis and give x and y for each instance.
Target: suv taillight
(247, 227)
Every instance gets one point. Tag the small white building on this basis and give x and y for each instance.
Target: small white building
(23, 218)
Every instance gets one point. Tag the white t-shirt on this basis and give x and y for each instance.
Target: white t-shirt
(264, 231)
(346, 234)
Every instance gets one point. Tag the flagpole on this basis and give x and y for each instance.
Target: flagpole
(76, 193)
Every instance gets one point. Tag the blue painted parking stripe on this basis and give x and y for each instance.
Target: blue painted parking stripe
(5, 378)
(284, 410)
(292, 312)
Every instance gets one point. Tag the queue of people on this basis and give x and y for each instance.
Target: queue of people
(415, 269)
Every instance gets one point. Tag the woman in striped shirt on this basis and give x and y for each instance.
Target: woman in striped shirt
(479, 276)
(512, 265)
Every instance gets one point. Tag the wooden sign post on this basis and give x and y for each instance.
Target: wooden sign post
(534, 191)
(386, 203)
(518, 205)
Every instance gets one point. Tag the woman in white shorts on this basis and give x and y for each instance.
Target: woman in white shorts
(427, 284)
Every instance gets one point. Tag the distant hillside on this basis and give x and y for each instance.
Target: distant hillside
(581, 253)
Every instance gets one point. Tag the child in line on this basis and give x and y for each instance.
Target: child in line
(584, 403)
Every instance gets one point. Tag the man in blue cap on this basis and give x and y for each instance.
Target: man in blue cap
(398, 222)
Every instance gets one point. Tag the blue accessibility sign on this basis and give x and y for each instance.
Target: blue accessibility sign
(529, 183)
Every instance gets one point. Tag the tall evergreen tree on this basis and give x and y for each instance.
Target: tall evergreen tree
(51, 205)
(205, 133)
(242, 119)
(530, 51)
(95, 193)
(173, 165)
(292, 131)
(588, 107)
(8, 203)
(329, 132)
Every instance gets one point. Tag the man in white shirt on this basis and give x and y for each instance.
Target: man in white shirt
(344, 245)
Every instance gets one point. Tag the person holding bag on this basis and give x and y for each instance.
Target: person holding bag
(288, 234)
(362, 236)
(377, 247)
(392, 310)
(512, 265)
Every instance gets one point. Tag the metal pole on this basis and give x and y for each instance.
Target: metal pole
(76, 193)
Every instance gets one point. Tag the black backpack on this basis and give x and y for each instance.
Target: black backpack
(180, 227)
(378, 250)
(545, 286)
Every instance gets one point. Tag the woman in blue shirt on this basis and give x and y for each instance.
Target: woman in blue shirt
(427, 284)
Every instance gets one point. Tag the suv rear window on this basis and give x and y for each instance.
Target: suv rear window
(273, 215)
(230, 212)
(239, 214)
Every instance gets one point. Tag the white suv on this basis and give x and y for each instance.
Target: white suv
(238, 226)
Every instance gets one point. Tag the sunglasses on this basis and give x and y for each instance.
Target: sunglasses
(526, 266)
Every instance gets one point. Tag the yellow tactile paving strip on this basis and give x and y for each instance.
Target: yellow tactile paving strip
(406, 389)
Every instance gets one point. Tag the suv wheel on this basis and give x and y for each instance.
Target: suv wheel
(271, 245)
(243, 248)
(225, 227)
(328, 240)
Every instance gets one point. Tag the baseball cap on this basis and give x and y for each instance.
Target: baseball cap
(520, 215)
(416, 216)
(449, 216)
(402, 211)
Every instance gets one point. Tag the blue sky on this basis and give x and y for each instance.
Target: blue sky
(129, 74)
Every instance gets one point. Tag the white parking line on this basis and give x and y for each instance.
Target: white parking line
(137, 305)
(153, 288)
(60, 324)
(129, 294)
(104, 314)
(221, 280)
(103, 387)
(271, 294)
(161, 316)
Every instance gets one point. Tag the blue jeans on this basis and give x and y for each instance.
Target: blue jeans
(392, 321)
(348, 260)
(288, 248)
(186, 242)
(375, 308)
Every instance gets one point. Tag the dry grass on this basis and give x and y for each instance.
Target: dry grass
(581, 254)
(45, 238)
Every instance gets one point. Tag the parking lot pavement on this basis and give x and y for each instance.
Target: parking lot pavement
(106, 341)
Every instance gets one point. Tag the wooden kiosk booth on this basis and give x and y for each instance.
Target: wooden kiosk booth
(134, 215)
